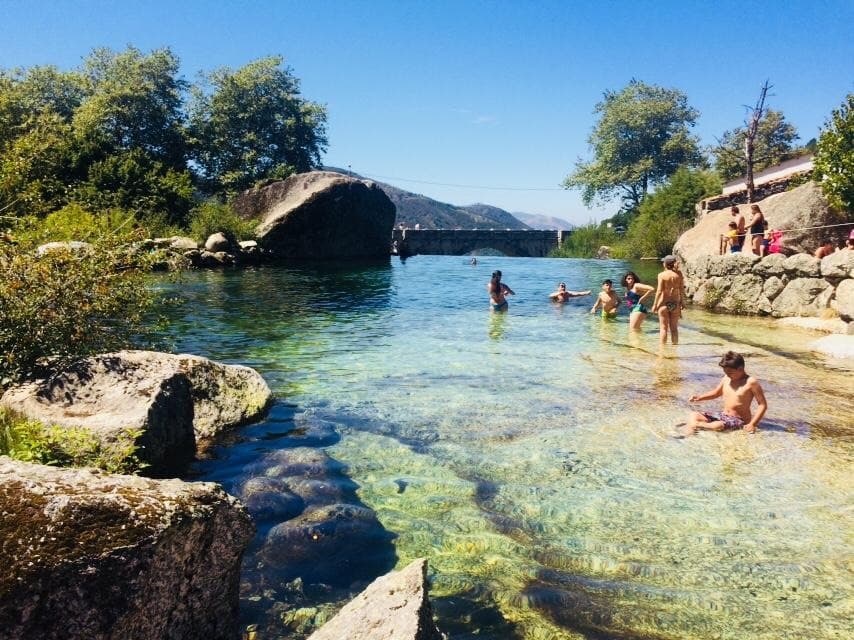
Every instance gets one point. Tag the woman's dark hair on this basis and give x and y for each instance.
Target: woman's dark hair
(496, 274)
(732, 360)
(633, 275)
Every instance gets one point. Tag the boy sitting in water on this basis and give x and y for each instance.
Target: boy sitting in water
(607, 299)
(739, 390)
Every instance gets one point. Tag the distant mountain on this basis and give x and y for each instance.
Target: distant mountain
(546, 223)
(413, 208)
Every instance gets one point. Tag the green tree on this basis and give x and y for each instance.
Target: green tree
(254, 125)
(134, 102)
(774, 143)
(834, 158)
(668, 212)
(642, 137)
(37, 159)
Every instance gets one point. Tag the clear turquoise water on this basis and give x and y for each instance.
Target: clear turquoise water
(529, 455)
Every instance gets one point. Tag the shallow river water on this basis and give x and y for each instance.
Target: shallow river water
(529, 456)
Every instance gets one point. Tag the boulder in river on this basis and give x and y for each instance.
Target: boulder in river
(169, 400)
(393, 607)
(320, 215)
(93, 556)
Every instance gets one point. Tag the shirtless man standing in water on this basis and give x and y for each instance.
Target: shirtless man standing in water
(497, 292)
(668, 300)
(739, 390)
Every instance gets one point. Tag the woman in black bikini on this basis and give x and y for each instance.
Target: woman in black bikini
(757, 228)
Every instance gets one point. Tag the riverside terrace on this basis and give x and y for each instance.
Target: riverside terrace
(457, 242)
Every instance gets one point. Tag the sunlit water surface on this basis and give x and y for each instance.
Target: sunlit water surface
(529, 455)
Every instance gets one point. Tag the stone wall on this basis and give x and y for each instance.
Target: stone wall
(776, 285)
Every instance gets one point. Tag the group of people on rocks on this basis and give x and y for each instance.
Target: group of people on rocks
(761, 239)
(736, 387)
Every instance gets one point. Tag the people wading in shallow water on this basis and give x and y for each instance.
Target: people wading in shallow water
(668, 301)
(497, 292)
(636, 293)
(562, 295)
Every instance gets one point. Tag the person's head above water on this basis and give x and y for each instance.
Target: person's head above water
(496, 275)
(562, 285)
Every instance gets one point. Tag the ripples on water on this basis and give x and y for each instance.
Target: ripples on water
(528, 455)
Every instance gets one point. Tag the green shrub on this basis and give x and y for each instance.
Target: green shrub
(584, 242)
(213, 217)
(31, 441)
(74, 222)
(63, 305)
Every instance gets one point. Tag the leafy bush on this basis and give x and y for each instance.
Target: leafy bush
(584, 242)
(63, 305)
(212, 217)
(74, 222)
(31, 441)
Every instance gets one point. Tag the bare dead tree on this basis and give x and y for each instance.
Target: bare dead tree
(750, 138)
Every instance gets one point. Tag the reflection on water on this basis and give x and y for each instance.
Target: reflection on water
(529, 455)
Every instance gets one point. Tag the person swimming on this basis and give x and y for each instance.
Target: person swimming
(562, 295)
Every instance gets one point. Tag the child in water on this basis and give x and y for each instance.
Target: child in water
(739, 390)
(607, 299)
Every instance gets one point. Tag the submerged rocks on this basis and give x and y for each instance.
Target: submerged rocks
(320, 215)
(166, 402)
(93, 556)
(335, 539)
(393, 607)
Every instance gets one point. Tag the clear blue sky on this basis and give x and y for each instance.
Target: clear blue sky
(488, 94)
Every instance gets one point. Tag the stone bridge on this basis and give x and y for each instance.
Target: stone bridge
(458, 242)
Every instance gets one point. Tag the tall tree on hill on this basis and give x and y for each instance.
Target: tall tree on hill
(254, 125)
(642, 138)
(765, 140)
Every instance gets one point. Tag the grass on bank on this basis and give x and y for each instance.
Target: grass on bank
(31, 441)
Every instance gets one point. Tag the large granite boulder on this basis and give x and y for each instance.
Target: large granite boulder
(845, 300)
(393, 607)
(170, 401)
(92, 556)
(838, 265)
(803, 297)
(802, 265)
(803, 206)
(320, 215)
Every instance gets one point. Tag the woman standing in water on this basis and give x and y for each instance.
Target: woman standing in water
(669, 300)
(636, 292)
